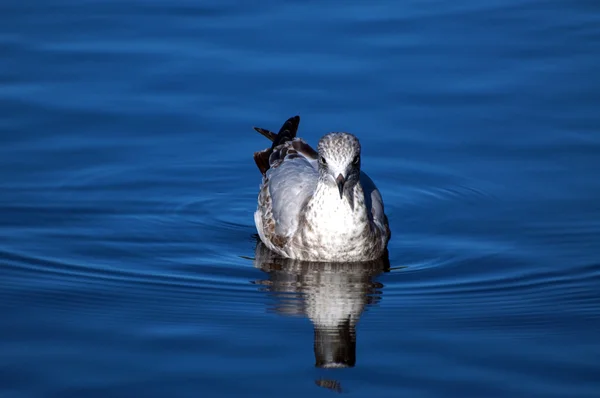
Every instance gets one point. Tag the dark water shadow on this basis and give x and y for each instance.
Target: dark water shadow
(332, 295)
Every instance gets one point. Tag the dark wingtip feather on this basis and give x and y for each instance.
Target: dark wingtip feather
(291, 125)
(287, 132)
(267, 133)
(305, 149)
(261, 158)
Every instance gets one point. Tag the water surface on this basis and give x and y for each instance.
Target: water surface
(128, 258)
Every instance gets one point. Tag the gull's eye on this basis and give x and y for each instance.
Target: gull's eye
(323, 161)
(356, 159)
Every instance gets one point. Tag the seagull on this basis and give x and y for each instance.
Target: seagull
(318, 205)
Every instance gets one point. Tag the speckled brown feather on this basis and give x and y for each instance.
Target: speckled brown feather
(268, 222)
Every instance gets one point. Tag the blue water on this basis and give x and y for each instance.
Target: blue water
(128, 257)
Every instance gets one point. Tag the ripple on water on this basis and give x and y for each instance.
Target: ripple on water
(435, 216)
(466, 256)
(132, 240)
(497, 293)
(173, 205)
(97, 274)
(144, 302)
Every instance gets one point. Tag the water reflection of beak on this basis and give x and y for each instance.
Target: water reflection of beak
(340, 180)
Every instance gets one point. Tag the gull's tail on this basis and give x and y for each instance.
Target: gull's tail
(287, 132)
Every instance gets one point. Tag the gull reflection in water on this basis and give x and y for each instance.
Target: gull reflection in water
(331, 295)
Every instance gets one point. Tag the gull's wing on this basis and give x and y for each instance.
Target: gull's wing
(374, 202)
(291, 184)
(290, 173)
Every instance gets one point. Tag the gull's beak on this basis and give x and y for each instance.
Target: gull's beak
(340, 180)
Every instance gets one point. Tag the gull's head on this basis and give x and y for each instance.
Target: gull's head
(339, 160)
